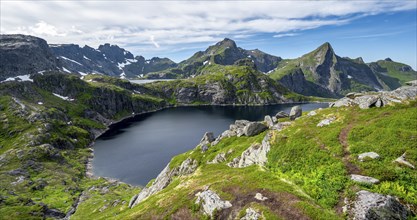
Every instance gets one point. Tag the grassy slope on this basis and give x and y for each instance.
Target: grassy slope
(308, 170)
(392, 70)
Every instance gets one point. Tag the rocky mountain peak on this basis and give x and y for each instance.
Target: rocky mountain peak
(115, 53)
(388, 59)
(24, 54)
(226, 43)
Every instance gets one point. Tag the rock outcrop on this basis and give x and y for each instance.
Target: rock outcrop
(370, 205)
(210, 201)
(380, 99)
(282, 114)
(255, 154)
(163, 179)
(205, 142)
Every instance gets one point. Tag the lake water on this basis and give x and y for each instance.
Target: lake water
(136, 150)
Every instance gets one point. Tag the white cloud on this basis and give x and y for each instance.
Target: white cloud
(285, 35)
(152, 38)
(177, 23)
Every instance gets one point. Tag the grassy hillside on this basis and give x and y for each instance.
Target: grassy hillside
(307, 175)
(393, 74)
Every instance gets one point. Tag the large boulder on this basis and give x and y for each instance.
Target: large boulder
(268, 120)
(295, 112)
(254, 128)
(370, 205)
(210, 201)
(206, 141)
(366, 101)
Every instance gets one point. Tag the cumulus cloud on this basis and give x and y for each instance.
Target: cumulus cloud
(178, 23)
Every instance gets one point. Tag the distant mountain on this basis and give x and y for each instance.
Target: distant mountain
(323, 73)
(107, 59)
(392, 73)
(224, 52)
(22, 55)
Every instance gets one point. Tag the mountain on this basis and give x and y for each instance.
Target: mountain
(325, 74)
(392, 73)
(224, 52)
(22, 55)
(108, 60)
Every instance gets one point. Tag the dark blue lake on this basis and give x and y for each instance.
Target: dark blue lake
(136, 150)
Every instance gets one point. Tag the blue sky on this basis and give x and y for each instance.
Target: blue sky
(371, 29)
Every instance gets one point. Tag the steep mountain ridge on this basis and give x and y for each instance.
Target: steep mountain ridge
(107, 59)
(224, 52)
(327, 74)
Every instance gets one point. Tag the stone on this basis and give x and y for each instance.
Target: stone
(295, 112)
(282, 114)
(210, 201)
(312, 113)
(371, 155)
(255, 154)
(363, 179)
(379, 103)
(254, 128)
(260, 197)
(251, 214)
(274, 119)
(370, 205)
(268, 120)
(326, 122)
(221, 157)
(402, 160)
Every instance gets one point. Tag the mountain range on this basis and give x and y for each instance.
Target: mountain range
(318, 73)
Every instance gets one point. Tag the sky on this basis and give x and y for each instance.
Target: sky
(372, 30)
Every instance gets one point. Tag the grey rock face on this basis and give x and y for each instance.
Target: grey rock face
(251, 214)
(366, 101)
(411, 83)
(295, 112)
(402, 160)
(163, 179)
(370, 205)
(363, 179)
(254, 128)
(255, 154)
(24, 54)
(371, 155)
(210, 201)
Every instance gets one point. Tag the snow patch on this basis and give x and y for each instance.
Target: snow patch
(82, 73)
(349, 77)
(66, 70)
(19, 78)
(126, 62)
(123, 75)
(86, 58)
(63, 97)
(40, 103)
(71, 60)
(205, 62)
